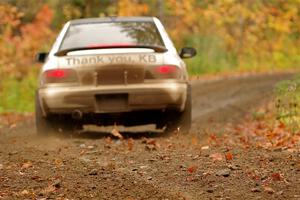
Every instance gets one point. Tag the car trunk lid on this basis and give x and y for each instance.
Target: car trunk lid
(111, 68)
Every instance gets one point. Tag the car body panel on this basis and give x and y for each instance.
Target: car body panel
(135, 97)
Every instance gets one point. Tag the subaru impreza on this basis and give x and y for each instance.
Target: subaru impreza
(114, 70)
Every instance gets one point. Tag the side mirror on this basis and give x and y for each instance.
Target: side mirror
(41, 57)
(187, 52)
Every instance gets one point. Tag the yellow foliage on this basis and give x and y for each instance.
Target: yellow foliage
(132, 8)
(19, 42)
(71, 12)
(183, 19)
(9, 16)
(251, 28)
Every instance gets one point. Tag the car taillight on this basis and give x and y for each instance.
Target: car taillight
(163, 72)
(58, 73)
(167, 69)
(59, 76)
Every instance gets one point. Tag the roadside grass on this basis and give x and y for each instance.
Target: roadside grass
(211, 57)
(18, 95)
(288, 103)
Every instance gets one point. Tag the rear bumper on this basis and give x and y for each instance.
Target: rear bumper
(113, 99)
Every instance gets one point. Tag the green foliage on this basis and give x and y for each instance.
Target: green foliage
(212, 56)
(288, 103)
(18, 95)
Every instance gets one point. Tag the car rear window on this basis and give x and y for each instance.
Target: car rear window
(111, 34)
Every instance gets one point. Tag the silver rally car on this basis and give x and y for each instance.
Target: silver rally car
(115, 70)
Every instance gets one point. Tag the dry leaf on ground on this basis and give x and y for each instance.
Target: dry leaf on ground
(228, 156)
(216, 156)
(192, 169)
(115, 132)
(26, 165)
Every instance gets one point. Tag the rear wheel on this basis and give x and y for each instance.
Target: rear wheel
(51, 124)
(181, 121)
(44, 125)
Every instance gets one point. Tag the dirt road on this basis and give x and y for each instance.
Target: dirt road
(149, 165)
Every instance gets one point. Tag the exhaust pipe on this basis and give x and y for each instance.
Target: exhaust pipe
(77, 114)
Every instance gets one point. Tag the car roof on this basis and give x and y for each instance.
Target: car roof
(111, 19)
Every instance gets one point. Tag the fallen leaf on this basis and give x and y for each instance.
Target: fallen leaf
(269, 190)
(115, 132)
(130, 144)
(26, 165)
(25, 192)
(205, 148)
(90, 147)
(276, 177)
(228, 156)
(192, 169)
(194, 140)
(58, 162)
(213, 137)
(152, 141)
(216, 156)
(82, 152)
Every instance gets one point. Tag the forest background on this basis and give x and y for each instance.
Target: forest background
(229, 35)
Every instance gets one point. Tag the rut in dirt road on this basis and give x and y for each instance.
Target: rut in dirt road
(150, 167)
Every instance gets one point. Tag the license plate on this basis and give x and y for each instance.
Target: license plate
(112, 102)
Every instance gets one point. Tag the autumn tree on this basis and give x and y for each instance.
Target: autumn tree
(131, 8)
(19, 42)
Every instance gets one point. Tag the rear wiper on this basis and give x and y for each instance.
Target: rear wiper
(64, 52)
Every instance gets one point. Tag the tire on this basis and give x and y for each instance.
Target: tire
(53, 124)
(44, 125)
(181, 121)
